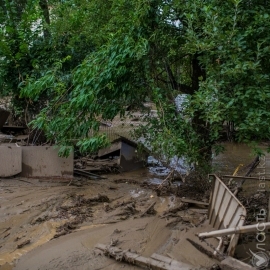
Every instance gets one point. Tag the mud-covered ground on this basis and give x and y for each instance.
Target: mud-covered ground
(57, 224)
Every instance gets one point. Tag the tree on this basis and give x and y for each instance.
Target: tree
(216, 52)
(31, 45)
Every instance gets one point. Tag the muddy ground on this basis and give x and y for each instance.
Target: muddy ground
(56, 225)
(49, 224)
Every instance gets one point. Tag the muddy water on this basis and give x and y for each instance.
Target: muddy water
(233, 156)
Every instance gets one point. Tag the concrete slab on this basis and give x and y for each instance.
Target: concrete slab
(10, 160)
(44, 162)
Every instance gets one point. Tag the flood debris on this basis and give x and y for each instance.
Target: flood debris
(174, 210)
(150, 210)
(227, 215)
(233, 264)
(192, 202)
(225, 211)
(235, 230)
(88, 174)
(236, 186)
(202, 249)
(121, 156)
(155, 262)
(90, 165)
(66, 228)
(125, 153)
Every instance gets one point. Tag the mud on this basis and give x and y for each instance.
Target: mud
(56, 225)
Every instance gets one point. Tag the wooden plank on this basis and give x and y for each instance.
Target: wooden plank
(186, 200)
(199, 210)
(233, 264)
(161, 258)
(110, 149)
(89, 174)
(173, 263)
(161, 263)
(244, 177)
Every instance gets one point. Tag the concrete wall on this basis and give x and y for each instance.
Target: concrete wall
(10, 160)
(43, 161)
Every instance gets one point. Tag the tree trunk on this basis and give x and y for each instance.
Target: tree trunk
(201, 126)
(45, 9)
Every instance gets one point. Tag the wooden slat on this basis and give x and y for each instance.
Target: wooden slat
(186, 200)
(160, 264)
(173, 263)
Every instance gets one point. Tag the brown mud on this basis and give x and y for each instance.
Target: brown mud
(56, 225)
(38, 217)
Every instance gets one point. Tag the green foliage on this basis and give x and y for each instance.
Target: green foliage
(102, 56)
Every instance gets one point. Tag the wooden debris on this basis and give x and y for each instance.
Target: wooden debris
(158, 262)
(233, 264)
(175, 264)
(173, 210)
(89, 164)
(149, 209)
(190, 201)
(168, 178)
(88, 174)
(198, 210)
(268, 219)
(251, 168)
(205, 251)
(237, 177)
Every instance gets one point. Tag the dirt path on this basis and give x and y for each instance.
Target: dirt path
(49, 225)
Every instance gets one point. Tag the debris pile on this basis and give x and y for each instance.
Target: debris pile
(85, 165)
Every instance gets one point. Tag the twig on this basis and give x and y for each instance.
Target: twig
(151, 206)
(166, 179)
